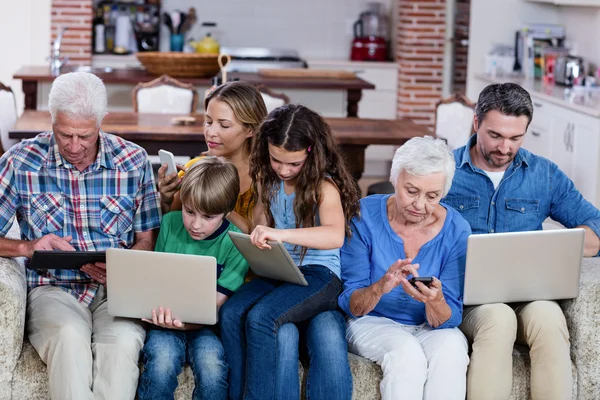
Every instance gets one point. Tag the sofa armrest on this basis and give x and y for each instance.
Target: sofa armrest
(13, 300)
(583, 320)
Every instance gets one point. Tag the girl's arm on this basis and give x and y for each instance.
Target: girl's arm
(329, 235)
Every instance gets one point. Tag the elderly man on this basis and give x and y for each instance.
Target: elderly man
(78, 188)
(500, 187)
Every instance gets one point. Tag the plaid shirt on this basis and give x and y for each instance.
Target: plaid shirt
(100, 207)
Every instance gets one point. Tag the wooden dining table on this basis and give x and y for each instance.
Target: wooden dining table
(157, 131)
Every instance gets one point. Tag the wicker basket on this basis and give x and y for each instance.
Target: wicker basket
(180, 65)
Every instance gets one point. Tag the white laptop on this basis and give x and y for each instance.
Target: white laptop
(523, 266)
(275, 263)
(139, 281)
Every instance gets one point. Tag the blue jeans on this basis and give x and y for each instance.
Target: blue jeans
(329, 376)
(250, 321)
(165, 354)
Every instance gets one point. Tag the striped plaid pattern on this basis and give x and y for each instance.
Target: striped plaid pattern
(100, 207)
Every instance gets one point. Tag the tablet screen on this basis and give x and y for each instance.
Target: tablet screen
(56, 259)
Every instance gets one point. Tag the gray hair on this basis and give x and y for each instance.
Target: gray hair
(79, 95)
(422, 156)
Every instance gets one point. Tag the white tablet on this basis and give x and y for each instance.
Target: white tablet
(275, 263)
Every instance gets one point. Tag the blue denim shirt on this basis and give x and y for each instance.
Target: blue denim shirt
(532, 189)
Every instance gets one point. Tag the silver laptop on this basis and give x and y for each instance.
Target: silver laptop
(140, 281)
(275, 263)
(523, 266)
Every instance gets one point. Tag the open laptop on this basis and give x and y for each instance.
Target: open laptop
(275, 263)
(140, 281)
(523, 266)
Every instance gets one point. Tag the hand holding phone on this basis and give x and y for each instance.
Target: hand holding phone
(425, 280)
(166, 157)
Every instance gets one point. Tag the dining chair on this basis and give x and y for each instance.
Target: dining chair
(8, 116)
(453, 123)
(272, 99)
(454, 120)
(165, 95)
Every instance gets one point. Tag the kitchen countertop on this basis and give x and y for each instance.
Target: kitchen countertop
(554, 94)
(135, 76)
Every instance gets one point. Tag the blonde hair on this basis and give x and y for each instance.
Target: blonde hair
(211, 186)
(245, 101)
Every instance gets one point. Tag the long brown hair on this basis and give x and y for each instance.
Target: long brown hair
(245, 101)
(296, 128)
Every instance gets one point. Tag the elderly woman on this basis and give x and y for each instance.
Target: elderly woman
(410, 331)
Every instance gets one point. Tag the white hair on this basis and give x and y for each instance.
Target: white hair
(422, 156)
(79, 95)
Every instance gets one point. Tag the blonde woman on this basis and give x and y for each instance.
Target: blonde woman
(232, 114)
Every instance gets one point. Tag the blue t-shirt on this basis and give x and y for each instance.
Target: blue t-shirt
(532, 189)
(282, 209)
(374, 247)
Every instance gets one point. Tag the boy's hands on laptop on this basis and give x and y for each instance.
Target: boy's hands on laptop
(164, 319)
(97, 271)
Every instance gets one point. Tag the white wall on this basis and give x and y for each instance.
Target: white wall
(24, 39)
(316, 28)
(583, 28)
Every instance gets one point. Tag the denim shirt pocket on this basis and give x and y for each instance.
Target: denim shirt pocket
(522, 214)
(466, 205)
(116, 214)
(46, 212)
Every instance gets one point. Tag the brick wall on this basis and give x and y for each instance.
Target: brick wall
(76, 15)
(420, 32)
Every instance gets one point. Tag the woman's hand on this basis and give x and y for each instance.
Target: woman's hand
(163, 319)
(424, 294)
(167, 185)
(397, 272)
(261, 234)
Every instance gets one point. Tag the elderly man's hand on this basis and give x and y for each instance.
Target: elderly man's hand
(97, 271)
(397, 272)
(49, 242)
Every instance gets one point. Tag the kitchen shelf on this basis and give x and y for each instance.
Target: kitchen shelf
(582, 3)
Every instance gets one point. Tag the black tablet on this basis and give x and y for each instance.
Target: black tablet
(57, 259)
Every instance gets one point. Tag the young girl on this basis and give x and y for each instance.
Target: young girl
(305, 198)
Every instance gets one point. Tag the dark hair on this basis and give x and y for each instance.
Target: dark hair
(297, 128)
(245, 101)
(508, 98)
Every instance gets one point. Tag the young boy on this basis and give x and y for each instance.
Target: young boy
(209, 192)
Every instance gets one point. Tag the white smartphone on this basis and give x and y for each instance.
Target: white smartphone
(166, 157)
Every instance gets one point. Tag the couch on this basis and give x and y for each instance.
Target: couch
(23, 375)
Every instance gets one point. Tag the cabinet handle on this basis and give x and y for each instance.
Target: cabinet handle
(538, 105)
(536, 133)
(565, 134)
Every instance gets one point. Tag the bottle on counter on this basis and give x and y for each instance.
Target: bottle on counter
(99, 32)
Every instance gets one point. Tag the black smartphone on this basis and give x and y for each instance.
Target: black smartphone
(425, 280)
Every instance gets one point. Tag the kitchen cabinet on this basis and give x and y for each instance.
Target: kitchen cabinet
(380, 103)
(569, 139)
(576, 148)
(538, 140)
